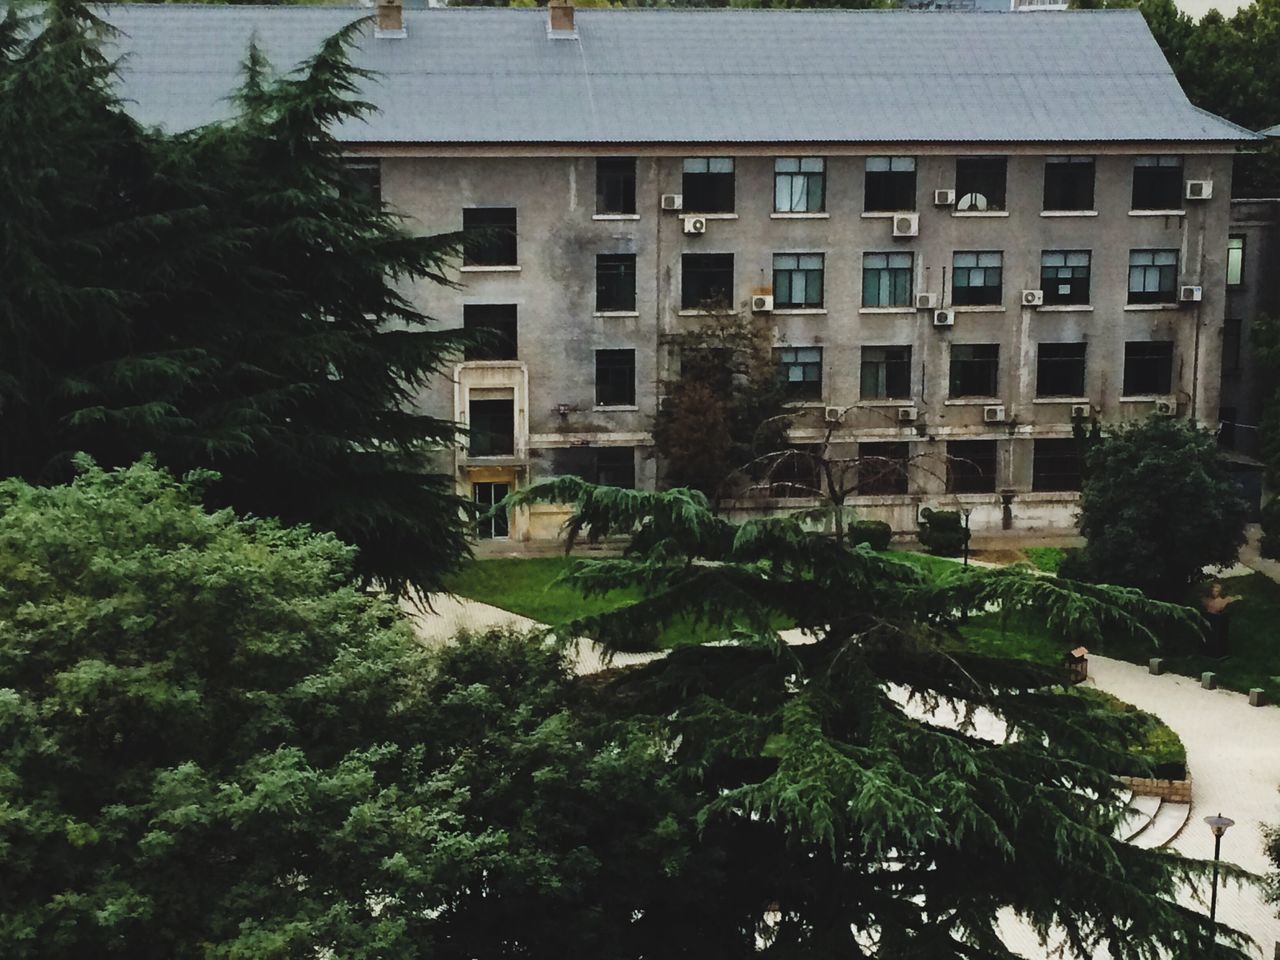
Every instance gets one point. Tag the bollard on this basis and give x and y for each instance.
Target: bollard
(1155, 666)
(1209, 680)
(1258, 698)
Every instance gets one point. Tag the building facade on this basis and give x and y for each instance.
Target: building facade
(958, 260)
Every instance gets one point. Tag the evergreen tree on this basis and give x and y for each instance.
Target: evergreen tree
(224, 298)
(845, 827)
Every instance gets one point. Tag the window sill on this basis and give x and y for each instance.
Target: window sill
(883, 214)
(1157, 213)
(973, 402)
(708, 216)
(800, 311)
(888, 310)
(887, 402)
(979, 309)
(1074, 401)
(706, 313)
(618, 408)
(978, 214)
(615, 216)
(799, 216)
(1140, 307)
(1068, 213)
(814, 403)
(496, 268)
(1145, 398)
(1066, 308)
(616, 313)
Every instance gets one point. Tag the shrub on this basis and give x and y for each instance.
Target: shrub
(1073, 565)
(1048, 559)
(942, 532)
(875, 533)
(1270, 546)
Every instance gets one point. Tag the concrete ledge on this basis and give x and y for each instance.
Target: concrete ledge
(1173, 791)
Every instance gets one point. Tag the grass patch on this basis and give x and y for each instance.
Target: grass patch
(1048, 559)
(1154, 742)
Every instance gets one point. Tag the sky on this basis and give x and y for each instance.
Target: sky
(1198, 8)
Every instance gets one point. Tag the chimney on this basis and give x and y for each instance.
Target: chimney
(561, 14)
(390, 19)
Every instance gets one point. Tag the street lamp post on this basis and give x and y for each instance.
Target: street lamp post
(1218, 824)
(966, 511)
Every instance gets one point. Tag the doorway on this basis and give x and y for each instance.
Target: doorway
(486, 495)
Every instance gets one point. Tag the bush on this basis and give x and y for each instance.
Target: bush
(1048, 559)
(875, 533)
(942, 532)
(1270, 546)
(1073, 565)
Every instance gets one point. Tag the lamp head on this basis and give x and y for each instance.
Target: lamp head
(1218, 824)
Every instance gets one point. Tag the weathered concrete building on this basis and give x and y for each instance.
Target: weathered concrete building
(964, 229)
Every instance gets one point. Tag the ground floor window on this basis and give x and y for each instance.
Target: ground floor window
(616, 467)
(1055, 465)
(490, 526)
(971, 466)
(882, 468)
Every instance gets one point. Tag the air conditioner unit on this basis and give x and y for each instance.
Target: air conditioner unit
(944, 198)
(672, 201)
(993, 413)
(832, 414)
(761, 303)
(906, 224)
(1166, 407)
(695, 225)
(1033, 298)
(1190, 294)
(1199, 189)
(926, 301)
(944, 318)
(1080, 410)
(906, 414)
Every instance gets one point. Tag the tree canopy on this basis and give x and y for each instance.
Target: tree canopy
(224, 298)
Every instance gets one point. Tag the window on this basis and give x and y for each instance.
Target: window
(795, 472)
(706, 280)
(1060, 370)
(616, 185)
(799, 185)
(1157, 183)
(708, 184)
(801, 371)
(493, 428)
(615, 378)
(1064, 276)
(486, 497)
(491, 236)
(615, 467)
(974, 369)
(797, 279)
(1231, 346)
(886, 373)
(1235, 260)
(493, 328)
(1153, 276)
(890, 184)
(363, 181)
(971, 466)
(1068, 183)
(886, 279)
(616, 282)
(980, 183)
(1148, 368)
(882, 469)
(1055, 465)
(1227, 428)
(976, 279)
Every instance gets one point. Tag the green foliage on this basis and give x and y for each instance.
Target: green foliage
(222, 299)
(818, 795)
(214, 744)
(942, 532)
(1156, 748)
(874, 533)
(1158, 506)
(1048, 559)
(1270, 546)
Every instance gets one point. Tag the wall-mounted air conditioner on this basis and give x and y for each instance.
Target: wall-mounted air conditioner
(1199, 189)
(673, 201)
(926, 301)
(907, 414)
(695, 225)
(1033, 298)
(906, 224)
(1190, 294)
(993, 413)
(944, 318)
(1080, 411)
(944, 198)
(832, 414)
(1166, 407)
(762, 303)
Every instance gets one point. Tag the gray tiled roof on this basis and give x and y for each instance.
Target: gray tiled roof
(650, 76)
(1272, 131)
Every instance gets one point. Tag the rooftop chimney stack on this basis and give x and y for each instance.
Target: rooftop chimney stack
(561, 14)
(390, 19)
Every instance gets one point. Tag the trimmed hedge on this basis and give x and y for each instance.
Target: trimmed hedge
(942, 532)
(874, 533)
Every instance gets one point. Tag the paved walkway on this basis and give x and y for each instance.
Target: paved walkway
(1233, 752)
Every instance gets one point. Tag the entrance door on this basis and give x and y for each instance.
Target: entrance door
(486, 495)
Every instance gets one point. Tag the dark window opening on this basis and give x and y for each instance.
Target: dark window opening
(1153, 276)
(1227, 428)
(886, 279)
(706, 281)
(492, 327)
(797, 280)
(1064, 276)
(616, 282)
(980, 183)
(971, 466)
(708, 185)
(882, 469)
(493, 428)
(977, 279)
(1060, 370)
(490, 236)
(1148, 368)
(974, 369)
(616, 185)
(801, 371)
(799, 185)
(890, 184)
(1055, 465)
(615, 378)
(1157, 183)
(1068, 183)
(886, 373)
(615, 467)
(1231, 335)
(486, 497)
(363, 181)
(795, 473)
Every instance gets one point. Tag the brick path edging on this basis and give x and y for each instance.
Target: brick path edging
(1173, 791)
